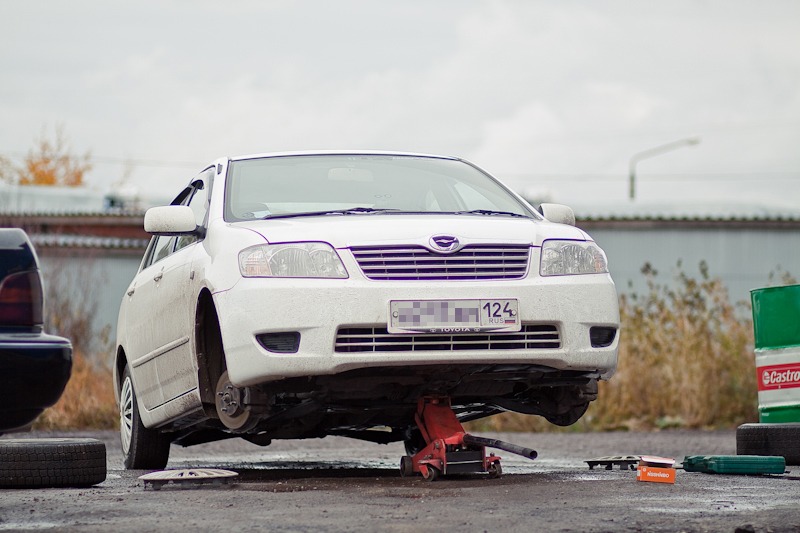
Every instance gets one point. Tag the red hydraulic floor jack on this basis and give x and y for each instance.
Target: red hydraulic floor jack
(449, 449)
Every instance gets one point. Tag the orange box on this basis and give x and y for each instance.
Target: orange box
(655, 474)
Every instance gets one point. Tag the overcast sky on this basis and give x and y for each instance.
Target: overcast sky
(554, 97)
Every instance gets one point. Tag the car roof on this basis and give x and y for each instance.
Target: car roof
(340, 152)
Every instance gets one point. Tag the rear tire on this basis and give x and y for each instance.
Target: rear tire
(38, 463)
(142, 448)
(770, 439)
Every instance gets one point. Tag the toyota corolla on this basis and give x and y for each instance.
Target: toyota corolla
(299, 295)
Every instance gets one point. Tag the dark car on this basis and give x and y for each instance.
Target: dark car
(34, 366)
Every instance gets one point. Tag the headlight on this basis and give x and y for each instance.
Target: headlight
(292, 260)
(560, 258)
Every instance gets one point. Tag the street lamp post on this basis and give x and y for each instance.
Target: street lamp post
(652, 152)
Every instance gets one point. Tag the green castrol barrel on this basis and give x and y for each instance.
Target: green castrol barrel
(776, 324)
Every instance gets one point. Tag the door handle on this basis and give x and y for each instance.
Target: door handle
(158, 276)
(131, 291)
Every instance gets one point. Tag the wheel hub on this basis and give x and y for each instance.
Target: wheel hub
(229, 400)
(231, 408)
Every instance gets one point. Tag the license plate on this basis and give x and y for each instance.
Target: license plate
(453, 316)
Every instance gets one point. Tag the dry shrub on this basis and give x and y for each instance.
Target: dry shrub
(516, 422)
(87, 402)
(71, 302)
(685, 360)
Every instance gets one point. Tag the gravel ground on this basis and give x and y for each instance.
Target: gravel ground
(338, 484)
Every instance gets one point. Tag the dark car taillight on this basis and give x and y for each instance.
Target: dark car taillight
(21, 300)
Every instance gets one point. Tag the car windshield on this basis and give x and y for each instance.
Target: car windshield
(286, 186)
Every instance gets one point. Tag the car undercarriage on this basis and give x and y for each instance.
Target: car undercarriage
(378, 404)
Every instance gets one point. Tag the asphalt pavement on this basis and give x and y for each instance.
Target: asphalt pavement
(338, 484)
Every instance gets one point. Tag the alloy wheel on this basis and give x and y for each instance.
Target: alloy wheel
(126, 414)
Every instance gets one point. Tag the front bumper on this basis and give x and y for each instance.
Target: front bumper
(317, 308)
(34, 370)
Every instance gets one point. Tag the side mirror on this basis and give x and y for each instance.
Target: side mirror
(170, 220)
(558, 213)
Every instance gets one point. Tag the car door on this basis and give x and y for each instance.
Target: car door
(141, 342)
(171, 327)
(160, 312)
(176, 293)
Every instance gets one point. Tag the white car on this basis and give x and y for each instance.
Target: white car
(298, 295)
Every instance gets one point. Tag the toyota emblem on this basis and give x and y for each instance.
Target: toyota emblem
(444, 243)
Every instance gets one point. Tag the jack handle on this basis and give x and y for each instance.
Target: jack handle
(500, 445)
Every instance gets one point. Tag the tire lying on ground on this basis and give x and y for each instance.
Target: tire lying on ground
(769, 439)
(35, 463)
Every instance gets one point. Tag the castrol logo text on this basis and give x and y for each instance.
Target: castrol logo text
(779, 377)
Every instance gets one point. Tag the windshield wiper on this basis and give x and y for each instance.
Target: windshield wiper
(373, 210)
(350, 211)
(489, 212)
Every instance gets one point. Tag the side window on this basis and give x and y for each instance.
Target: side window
(161, 249)
(198, 202)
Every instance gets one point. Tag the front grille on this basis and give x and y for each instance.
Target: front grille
(365, 339)
(473, 262)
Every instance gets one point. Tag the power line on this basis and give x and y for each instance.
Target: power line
(692, 176)
(125, 161)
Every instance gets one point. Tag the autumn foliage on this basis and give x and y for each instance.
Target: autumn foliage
(49, 162)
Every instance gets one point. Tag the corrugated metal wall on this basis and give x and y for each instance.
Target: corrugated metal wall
(743, 257)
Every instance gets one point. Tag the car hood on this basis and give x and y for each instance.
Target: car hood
(345, 231)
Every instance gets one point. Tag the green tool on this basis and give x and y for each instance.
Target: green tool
(735, 464)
